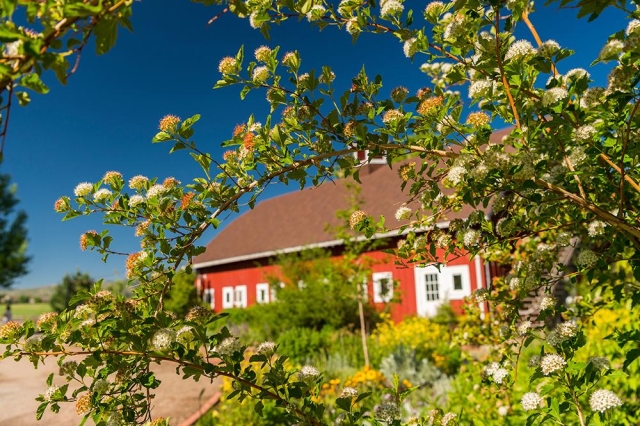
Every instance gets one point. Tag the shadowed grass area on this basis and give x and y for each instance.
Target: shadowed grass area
(25, 311)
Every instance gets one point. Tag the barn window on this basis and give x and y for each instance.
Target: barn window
(227, 297)
(208, 296)
(382, 287)
(262, 293)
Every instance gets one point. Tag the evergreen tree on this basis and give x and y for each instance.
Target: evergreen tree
(13, 235)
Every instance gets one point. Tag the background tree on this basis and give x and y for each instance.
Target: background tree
(70, 285)
(183, 294)
(13, 235)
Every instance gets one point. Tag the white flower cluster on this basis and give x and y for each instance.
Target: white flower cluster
(611, 50)
(470, 237)
(448, 418)
(456, 174)
(101, 194)
(551, 363)
(587, 258)
(592, 97)
(553, 96)
(585, 133)
(410, 47)
(349, 392)
(562, 333)
(456, 28)
(308, 375)
(185, 335)
(548, 302)
(260, 74)
(603, 400)
(156, 190)
(387, 412)
(523, 328)
(576, 74)
(519, 49)
(481, 89)
(83, 189)
(596, 228)
(266, 348)
(530, 401)
(229, 346)
(496, 372)
(316, 13)
(549, 48)
(48, 394)
(403, 213)
(162, 339)
(600, 362)
(390, 8)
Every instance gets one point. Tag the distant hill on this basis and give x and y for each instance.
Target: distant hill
(43, 293)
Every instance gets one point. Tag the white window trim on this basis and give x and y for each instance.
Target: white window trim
(447, 278)
(260, 287)
(240, 302)
(377, 287)
(227, 304)
(212, 293)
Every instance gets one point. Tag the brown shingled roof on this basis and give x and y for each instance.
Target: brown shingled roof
(291, 221)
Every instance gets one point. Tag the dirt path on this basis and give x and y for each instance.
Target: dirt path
(20, 384)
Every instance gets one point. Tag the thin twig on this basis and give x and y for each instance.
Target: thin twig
(505, 82)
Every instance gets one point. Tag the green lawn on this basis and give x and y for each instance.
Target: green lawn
(24, 311)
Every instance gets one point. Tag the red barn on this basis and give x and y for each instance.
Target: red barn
(233, 270)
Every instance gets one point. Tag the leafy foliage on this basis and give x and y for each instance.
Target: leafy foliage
(13, 235)
(70, 286)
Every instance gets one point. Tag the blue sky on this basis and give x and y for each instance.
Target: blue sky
(105, 117)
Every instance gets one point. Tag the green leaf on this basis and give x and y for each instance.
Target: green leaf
(9, 33)
(106, 34)
(40, 410)
(162, 137)
(186, 124)
(33, 82)
(632, 355)
(258, 408)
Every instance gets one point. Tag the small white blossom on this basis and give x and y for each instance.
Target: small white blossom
(519, 49)
(551, 362)
(229, 346)
(632, 27)
(499, 375)
(48, 394)
(316, 13)
(592, 97)
(403, 213)
(448, 418)
(101, 194)
(554, 95)
(548, 302)
(83, 189)
(185, 335)
(136, 200)
(585, 133)
(471, 237)
(534, 361)
(596, 228)
(611, 50)
(456, 174)
(600, 362)
(387, 412)
(349, 392)
(308, 374)
(603, 400)
(577, 156)
(266, 348)
(391, 8)
(549, 48)
(253, 21)
(587, 258)
(481, 89)
(156, 191)
(530, 401)
(260, 74)
(576, 73)
(163, 339)
(410, 47)
(524, 328)
(456, 28)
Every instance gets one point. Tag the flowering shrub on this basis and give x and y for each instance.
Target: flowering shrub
(563, 180)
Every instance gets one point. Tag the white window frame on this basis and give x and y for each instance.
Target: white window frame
(377, 287)
(262, 287)
(448, 272)
(240, 296)
(227, 297)
(212, 293)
